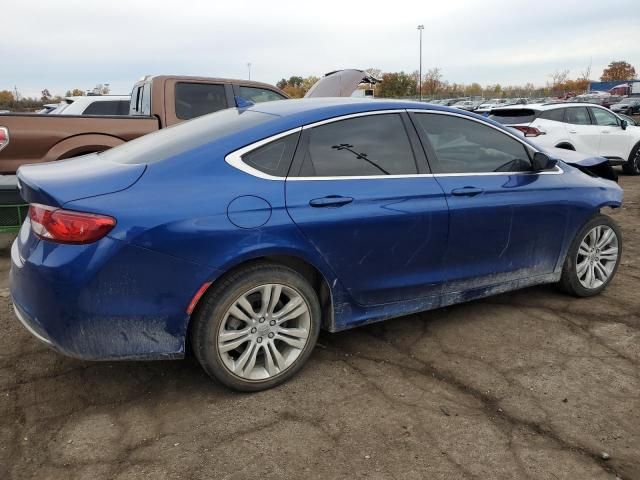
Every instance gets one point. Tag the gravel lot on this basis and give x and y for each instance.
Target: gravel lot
(531, 384)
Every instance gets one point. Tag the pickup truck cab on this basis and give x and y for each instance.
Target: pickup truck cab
(156, 102)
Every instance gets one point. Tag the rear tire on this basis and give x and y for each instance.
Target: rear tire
(257, 327)
(632, 167)
(593, 258)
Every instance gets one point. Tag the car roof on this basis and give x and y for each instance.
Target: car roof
(307, 110)
(98, 98)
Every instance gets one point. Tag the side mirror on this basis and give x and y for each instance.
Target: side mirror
(542, 161)
(624, 124)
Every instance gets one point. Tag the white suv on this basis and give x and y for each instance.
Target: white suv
(583, 127)
(94, 105)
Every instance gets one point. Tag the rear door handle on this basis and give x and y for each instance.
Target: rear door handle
(330, 201)
(605, 131)
(573, 131)
(466, 192)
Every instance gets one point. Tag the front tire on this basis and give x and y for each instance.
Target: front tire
(632, 167)
(257, 327)
(593, 258)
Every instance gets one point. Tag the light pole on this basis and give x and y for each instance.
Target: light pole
(420, 28)
(249, 67)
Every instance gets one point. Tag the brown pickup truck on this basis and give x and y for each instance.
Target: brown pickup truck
(156, 102)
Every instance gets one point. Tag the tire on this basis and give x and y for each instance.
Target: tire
(632, 167)
(238, 347)
(575, 277)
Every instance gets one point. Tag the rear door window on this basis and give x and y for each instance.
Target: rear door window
(556, 115)
(197, 99)
(258, 95)
(509, 116)
(578, 116)
(371, 145)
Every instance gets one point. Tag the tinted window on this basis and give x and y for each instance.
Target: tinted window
(197, 99)
(115, 107)
(273, 158)
(513, 115)
(578, 116)
(258, 95)
(363, 146)
(603, 117)
(557, 115)
(467, 146)
(183, 137)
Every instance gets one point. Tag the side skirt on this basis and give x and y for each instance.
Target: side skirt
(348, 316)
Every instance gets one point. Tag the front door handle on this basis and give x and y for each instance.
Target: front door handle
(466, 192)
(330, 201)
(573, 131)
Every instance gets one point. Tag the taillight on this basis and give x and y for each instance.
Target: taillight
(4, 137)
(528, 131)
(66, 226)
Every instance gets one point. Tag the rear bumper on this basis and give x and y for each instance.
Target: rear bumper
(108, 300)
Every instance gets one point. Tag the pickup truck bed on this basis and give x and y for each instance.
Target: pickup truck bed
(36, 138)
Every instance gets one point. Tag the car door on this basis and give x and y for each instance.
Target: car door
(583, 135)
(360, 191)
(506, 222)
(614, 141)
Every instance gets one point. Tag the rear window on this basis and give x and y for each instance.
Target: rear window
(111, 107)
(510, 116)
(168, 142)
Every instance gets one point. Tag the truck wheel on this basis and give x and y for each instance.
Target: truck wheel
(593, 258)
(632, 167)
(257, 327)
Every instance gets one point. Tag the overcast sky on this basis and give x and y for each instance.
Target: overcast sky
(65, 44)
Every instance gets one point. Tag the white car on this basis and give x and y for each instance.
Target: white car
(94, 105)
(493, 103)
(584, 127)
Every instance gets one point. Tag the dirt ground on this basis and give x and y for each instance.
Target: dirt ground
(527, 385)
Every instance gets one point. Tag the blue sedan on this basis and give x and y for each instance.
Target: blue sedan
(245, 232)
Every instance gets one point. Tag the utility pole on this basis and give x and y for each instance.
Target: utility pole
(17, 95)
(249, 67)
(420, 28)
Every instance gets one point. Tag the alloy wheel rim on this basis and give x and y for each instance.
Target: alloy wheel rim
(597, 257)
(264, 331)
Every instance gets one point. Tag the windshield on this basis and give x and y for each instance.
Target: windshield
(179, 138)
(628, 101)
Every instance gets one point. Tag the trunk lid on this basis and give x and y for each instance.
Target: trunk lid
(60, 182)
(341, 83)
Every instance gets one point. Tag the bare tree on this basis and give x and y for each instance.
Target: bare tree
(559, 77)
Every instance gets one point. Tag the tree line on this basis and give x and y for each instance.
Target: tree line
(392, 85)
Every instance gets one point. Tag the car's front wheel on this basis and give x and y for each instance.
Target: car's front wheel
(593, 258)
(256, 327)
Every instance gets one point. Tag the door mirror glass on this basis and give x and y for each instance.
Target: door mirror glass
(542, 161)
(624, 124)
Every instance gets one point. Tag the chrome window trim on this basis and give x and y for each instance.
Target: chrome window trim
(235, 158)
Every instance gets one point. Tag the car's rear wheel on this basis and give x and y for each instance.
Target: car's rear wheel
(632, 167)
(257, 327)
(593, 258)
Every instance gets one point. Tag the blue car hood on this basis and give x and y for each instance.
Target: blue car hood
(57, 183)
